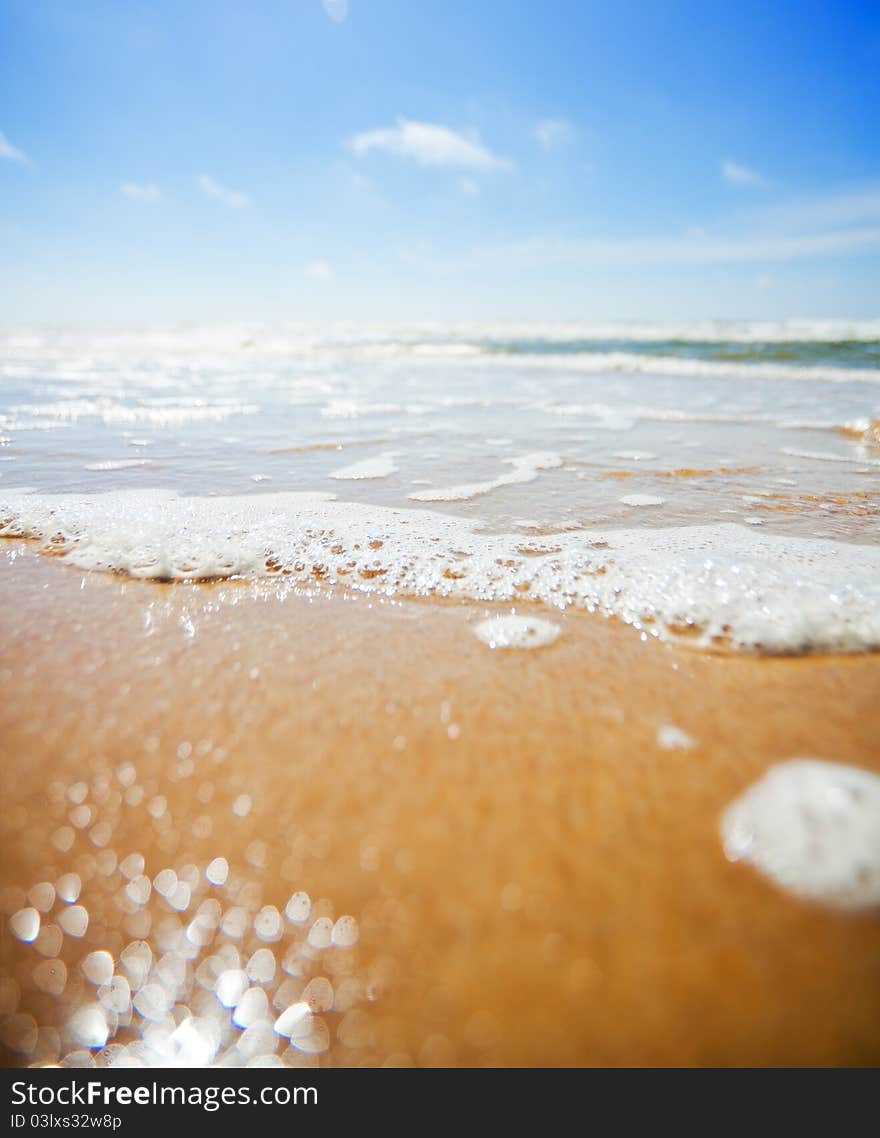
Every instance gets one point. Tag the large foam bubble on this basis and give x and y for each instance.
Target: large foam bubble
(715, 585)
(814, 828)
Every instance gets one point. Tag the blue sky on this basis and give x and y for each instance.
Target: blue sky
(438, 159)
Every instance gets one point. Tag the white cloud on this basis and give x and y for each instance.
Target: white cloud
(551, 133)
(318, 271)
(142, 192)
(705, 250)
(337, 10)
(838, 224)
(850, 207)
(740, 175)
(429, 144)
(12, 153)
(222, 193)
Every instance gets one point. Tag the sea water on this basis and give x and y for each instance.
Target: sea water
(715, 480)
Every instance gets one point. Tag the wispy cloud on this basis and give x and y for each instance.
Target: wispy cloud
(551, 133)
(469, 187)
(428, 144)
(142, 191)
(739, 175)
(12, 153)
(840, 224)
(222, 193)
(337, 10)
(318, 271)
(849, 207)
(706, 250)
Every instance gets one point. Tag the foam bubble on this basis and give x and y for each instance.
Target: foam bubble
(516, 632)
(814, 828)
(672, 738)
(642, 500)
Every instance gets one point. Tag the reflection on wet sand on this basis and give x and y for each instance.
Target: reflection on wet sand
(338, 831)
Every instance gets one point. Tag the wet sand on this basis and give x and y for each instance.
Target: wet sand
(537, 880)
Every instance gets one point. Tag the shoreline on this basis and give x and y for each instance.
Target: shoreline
(538, 880)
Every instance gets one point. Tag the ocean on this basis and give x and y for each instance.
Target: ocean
(716, 480)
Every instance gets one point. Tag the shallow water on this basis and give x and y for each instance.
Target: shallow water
(542, 441)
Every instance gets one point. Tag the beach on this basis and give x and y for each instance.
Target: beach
(537, 879)
(440, 696)
(439, 549)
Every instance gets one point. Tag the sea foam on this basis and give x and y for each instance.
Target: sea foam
(717, 585)
(814, 828)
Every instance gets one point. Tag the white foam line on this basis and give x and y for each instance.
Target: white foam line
(525, 469)
(382, 466)
(827, 456)
(722, 583)
(116, 464)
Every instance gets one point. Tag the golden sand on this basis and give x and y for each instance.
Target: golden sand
(537, 880)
